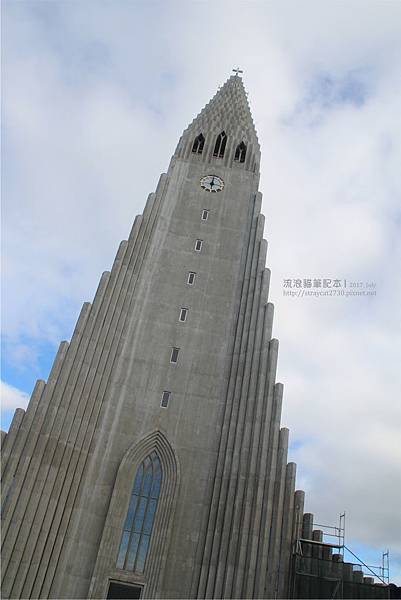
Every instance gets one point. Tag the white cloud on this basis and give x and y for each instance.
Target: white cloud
(11, 397)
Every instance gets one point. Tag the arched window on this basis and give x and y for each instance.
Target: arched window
(199, 142)
(220, 145)
(138, 525)
(240, 152)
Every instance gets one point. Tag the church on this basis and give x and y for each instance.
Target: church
(151, 463)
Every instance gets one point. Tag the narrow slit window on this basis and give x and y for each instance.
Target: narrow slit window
(198, 144)
(205, 214)
(183, 315)
(240, 152)
(220, 145)
(198, 245)
(191, 278)
(165, 399)
(174, 355)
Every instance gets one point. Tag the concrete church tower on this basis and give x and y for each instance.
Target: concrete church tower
(152, 464)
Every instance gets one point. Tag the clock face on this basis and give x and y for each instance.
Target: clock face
(212, 183)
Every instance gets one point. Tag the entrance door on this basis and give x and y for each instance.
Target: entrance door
(124, 591)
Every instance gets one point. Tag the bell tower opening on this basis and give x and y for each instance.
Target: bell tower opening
(240, 153)
(198, 144)
(220, 145)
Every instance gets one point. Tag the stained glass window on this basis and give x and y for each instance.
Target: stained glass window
(138, 524)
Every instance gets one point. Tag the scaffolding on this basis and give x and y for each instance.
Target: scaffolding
(381, 572)
(339, 532)
(315, 566)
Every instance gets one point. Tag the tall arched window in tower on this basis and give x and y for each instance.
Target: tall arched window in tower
(220, 145)
(240, 152)
(199, 142)
(138, 524)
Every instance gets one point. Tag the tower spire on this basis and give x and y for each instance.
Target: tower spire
(228, 111)
(229, 107)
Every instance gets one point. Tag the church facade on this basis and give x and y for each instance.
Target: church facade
(152, 463)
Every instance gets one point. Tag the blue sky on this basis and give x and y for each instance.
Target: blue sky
(95, 97)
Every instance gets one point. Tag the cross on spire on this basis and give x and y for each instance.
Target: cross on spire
(237, 71)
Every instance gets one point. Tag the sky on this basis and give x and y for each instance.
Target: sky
(95, 97)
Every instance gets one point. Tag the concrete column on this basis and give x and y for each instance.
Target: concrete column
(251, 521)
(205, 556)
(66, 403)
(11, 438)
(25, 474)
(234, 391)
(299, 501)
(10, 467)
(52, 471)
(249, 469)
(358, 576)
(236, 487)
(317, 536)
(246, 476)
(275, 533)
(338, 558)
(307, 526)
(286, 535)
(348, 572)
(123, 280)
(21, 509)
(269, 465)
